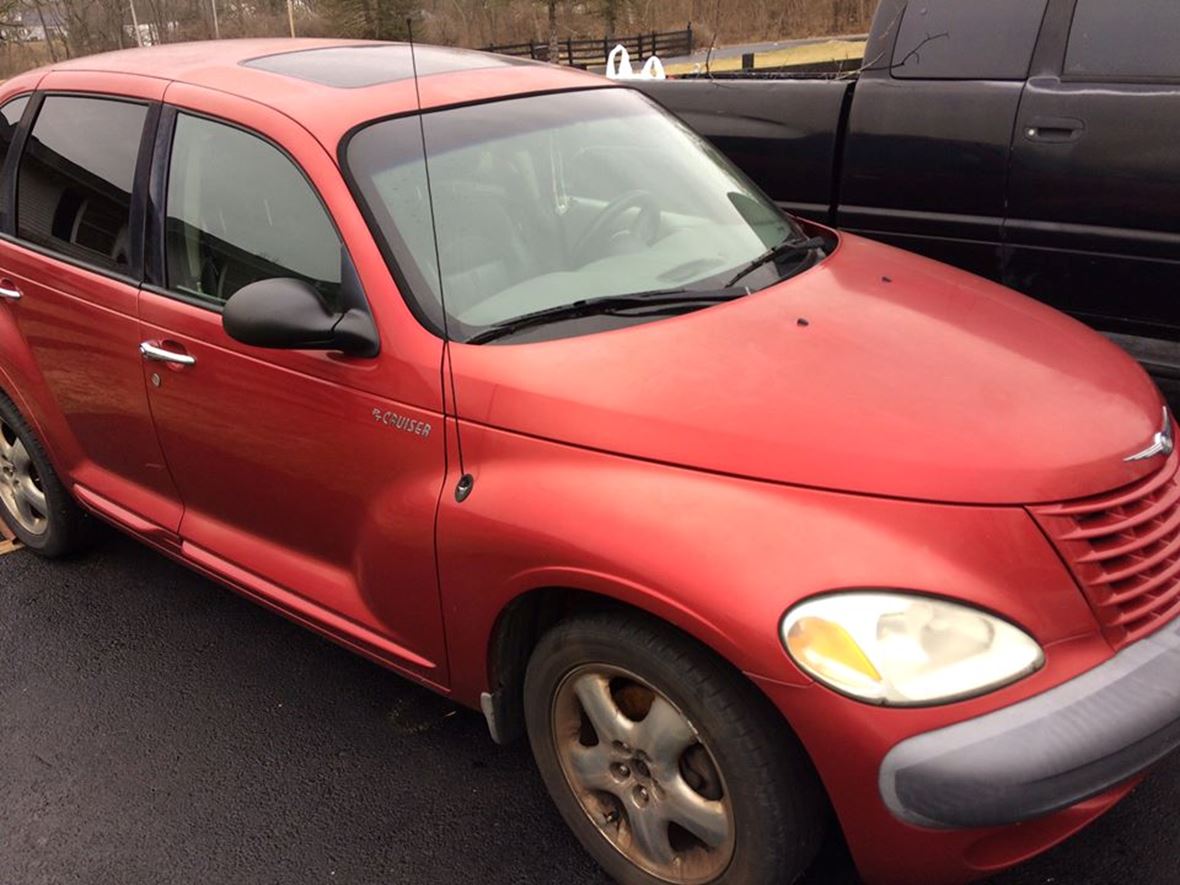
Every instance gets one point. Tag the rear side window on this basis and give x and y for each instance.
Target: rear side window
(967, 39)
(75, 178)
(239, 210)
(10, 116)
(1121, 41)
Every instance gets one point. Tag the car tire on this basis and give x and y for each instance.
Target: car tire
(609, 701)
(33, 502)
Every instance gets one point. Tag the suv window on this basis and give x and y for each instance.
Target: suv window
(239, 210)
(967, 39)
(75, 178)
(1117, 41)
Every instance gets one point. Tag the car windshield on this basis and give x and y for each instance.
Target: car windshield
(551, 200)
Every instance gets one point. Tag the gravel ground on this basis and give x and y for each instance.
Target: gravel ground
(155, 728)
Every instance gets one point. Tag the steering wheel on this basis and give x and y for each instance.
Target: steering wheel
(607, 226)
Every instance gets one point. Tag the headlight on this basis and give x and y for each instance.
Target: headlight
(906, 650)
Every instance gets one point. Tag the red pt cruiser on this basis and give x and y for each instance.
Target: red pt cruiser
(503, 378)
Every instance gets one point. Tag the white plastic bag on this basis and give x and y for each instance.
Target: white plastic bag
(618, 66)
(653, 70)
(619, 70)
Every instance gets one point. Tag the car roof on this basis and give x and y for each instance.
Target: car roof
(330, 86)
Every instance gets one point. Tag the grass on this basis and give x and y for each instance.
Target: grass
(810, 54)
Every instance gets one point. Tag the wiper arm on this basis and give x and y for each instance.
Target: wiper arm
(782, 250)
(608, 304)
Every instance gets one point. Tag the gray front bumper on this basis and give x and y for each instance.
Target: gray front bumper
(1047, 753)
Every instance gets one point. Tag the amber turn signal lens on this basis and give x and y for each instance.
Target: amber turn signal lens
(826, 647)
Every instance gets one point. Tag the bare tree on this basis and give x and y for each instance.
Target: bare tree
(373, 19)
(77, 27)
(554, 52)
(610, 14)
(45, 30)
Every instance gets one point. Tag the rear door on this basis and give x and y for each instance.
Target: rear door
(300, 479)
(926, 159)
(1094, 222)
(72, 252)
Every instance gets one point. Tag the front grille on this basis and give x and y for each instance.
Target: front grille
(1124, 549)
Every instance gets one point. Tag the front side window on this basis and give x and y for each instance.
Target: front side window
(75, 178)
(967, 39)
(544, 201)
(1118, 41)
(239, 211)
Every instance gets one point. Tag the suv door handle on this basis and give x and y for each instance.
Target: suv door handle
(152, 351)
(1055, 129)
(9, 291)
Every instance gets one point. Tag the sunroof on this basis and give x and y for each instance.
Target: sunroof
(352, 67)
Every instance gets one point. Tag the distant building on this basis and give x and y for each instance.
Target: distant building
(33, 23)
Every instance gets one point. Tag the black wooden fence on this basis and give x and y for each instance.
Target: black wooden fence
(594, 53)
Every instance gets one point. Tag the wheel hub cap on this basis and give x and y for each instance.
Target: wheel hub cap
(642, 775)
(20, 486)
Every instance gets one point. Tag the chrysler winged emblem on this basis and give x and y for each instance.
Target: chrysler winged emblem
(1164, 442)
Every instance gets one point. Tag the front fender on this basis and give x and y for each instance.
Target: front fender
(720, 558)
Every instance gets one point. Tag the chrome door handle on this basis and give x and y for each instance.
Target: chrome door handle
(154, 352)
(10, 293)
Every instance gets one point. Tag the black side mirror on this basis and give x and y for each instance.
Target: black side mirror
(290, 314)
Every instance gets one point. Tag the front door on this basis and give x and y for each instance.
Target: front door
(301, 484)
(74, 273)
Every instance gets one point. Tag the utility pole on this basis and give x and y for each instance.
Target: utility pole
(291, 15)
(216, 27)
(135, 25)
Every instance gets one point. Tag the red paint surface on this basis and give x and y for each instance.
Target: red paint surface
(711, 469)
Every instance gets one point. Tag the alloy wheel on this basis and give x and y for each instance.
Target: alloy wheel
(642, 775)
(20, 485)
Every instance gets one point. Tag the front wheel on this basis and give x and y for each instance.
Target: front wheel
(667, 765)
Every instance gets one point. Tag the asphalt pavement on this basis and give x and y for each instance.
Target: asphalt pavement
(156, 728)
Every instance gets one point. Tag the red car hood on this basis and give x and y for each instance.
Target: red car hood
(876, 372)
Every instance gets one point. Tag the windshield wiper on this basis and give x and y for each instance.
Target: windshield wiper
(784, 249)
(607, 305)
